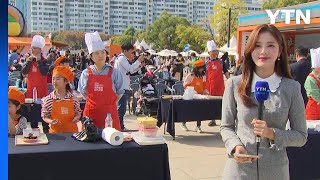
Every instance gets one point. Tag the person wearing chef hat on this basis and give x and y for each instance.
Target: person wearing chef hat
(214, 85)
(36, 69)
(60, 108)
(312, 86)
(16, 122)
(100, 84)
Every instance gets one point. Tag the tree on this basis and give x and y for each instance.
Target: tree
(220, 19)
(162, 33)
(273, 4)
(120, 39)
(206, 23)
(194, 35)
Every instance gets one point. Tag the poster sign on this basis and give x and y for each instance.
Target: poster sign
(244, 40)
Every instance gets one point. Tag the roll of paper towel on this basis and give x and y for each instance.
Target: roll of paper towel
(112, 136)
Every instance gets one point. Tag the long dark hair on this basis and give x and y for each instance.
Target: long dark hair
(281, 67)
(197, 73)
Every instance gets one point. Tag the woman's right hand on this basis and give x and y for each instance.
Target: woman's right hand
(241, 150)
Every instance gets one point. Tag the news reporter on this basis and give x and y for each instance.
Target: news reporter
(265, 59)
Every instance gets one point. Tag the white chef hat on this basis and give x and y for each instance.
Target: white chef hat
(315, 57)
(211, 45)
(38, 41)
(94, 42)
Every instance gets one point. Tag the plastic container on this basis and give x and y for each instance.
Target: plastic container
(147, 122)
(148, 132)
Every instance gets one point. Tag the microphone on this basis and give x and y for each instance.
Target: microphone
(261, 93)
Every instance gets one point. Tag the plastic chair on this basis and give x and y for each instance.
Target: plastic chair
(161, 89)
(178, 89)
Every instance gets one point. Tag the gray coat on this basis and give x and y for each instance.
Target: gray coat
(236, 129)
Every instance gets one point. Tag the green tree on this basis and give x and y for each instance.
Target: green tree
(273, 4)
(162, 33)
(220, 19)
(194, 35)
(120, 39)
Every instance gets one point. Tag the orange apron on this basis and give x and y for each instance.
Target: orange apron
(197, 83)
(214, 78)
(101, 99)
(313, 107)
(63, 111)
(36, 79)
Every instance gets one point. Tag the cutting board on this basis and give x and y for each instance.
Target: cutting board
(146, 140)
(42, 140)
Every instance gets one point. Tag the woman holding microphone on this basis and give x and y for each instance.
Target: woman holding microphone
(265, 60)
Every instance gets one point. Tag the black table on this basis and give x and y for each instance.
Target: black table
(32, 111)
(65, 158)
(304, 161)
(171, 111)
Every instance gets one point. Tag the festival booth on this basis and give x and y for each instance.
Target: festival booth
(306, 35)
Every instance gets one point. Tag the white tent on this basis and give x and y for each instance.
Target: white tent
(232, 50)
(144, 44)
(151, 51)
(167, 52)
(137, 44)
(205, 54)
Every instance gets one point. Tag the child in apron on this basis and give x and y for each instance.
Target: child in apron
(196, 80)
(60, 108)
(16, 122)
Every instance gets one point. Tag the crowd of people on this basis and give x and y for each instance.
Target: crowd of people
(105, 85)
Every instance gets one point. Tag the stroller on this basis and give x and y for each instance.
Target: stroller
(150, 100)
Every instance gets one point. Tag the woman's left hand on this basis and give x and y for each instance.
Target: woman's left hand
(261, 128)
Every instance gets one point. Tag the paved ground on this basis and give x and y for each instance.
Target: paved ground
(193, 156)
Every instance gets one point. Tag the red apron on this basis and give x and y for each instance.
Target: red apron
(63, 111)
(313, 107)
(214, 78)
(36, 79)
(101, 99)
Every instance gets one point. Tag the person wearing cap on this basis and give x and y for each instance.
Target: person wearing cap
(36, 69)
(312, 86)
(196, 79)
(214, 85)
(60, 108)
(100, 84)
(124, 63)
(16, 122)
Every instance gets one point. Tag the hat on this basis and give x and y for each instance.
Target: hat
(151, 67)
(64, 72)
(58, 60)
(38, 41)
(94, 42)
(315, 57)
(211, 45)
(15, 94)
(198, 63)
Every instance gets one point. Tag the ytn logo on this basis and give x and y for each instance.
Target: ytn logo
(287, 13)
(261, 89)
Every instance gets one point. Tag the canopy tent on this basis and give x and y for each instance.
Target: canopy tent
(205, 54)
(144, 44)
(232, 49)
(167, 52)
(151, 51)
(59, 44)
(137, 44)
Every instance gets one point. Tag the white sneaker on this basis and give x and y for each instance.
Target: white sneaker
(184, 127)
(198, 129)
